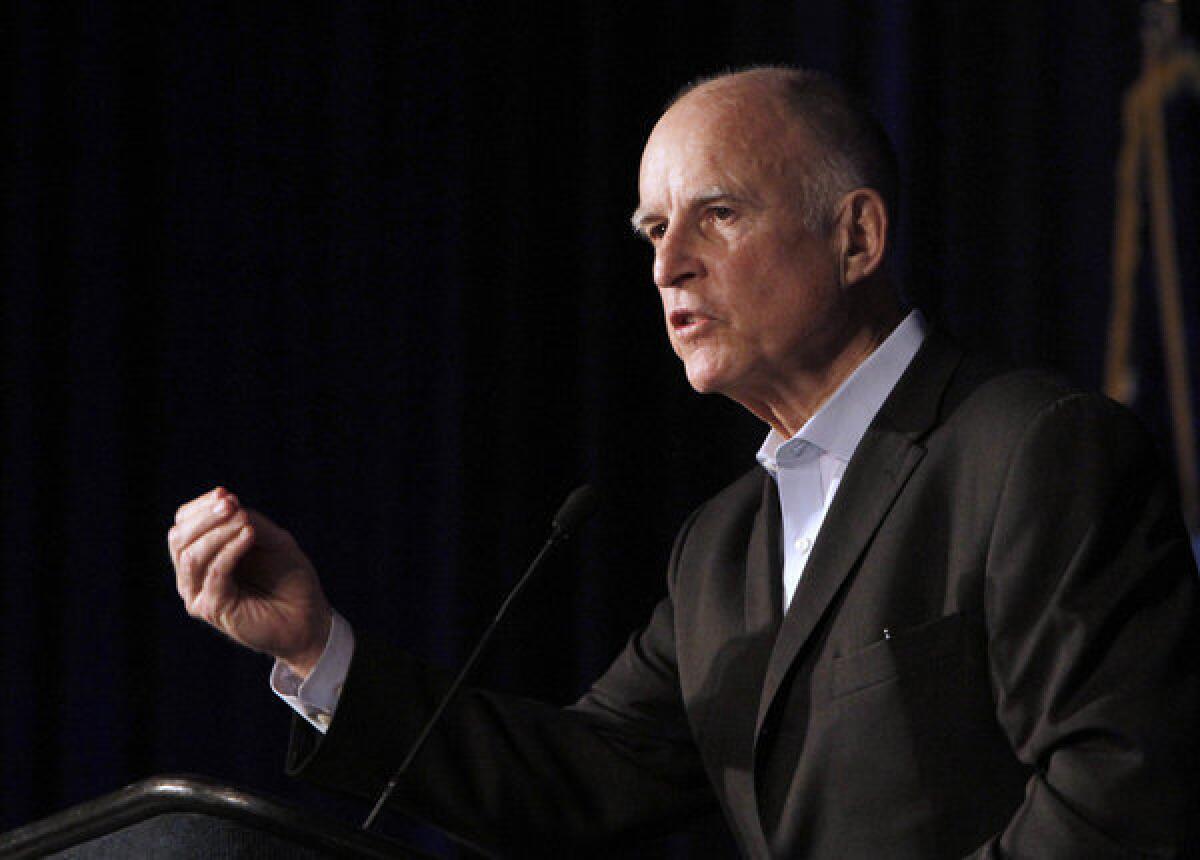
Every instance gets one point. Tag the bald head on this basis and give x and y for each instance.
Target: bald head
(830, 140)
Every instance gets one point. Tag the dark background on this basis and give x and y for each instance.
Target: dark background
(369, 266)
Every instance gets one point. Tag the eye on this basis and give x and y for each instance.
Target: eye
(723, 214)
(654, 232)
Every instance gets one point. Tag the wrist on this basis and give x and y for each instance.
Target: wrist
(304, 661)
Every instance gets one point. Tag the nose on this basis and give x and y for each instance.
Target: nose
(675, 260)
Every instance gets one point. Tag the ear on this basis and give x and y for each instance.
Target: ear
(861, 231)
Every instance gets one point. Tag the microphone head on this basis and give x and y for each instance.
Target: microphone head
(575, 511)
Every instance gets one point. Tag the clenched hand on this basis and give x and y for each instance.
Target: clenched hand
(248, 578)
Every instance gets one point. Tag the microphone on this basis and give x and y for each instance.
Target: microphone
(574, 512)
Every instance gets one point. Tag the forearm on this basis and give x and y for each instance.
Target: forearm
(500, 772)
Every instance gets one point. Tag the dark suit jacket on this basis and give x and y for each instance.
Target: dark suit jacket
(992, 649)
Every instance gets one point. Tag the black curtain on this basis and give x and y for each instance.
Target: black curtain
(369, 266)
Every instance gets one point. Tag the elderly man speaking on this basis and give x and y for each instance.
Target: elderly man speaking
(951, 611)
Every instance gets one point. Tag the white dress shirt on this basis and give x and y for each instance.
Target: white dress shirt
(316, 697)
(807, 469)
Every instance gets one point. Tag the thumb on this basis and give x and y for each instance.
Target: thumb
(268, 535)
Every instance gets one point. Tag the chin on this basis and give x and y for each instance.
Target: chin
(704, 378)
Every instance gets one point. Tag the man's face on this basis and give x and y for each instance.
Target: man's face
(750, 295)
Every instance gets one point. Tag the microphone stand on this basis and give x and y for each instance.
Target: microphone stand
(574, 511)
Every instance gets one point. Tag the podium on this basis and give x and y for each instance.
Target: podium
(192, 818)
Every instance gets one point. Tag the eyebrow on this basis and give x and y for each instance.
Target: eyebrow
(712, 194)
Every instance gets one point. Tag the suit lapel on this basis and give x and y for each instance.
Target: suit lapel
(764, 565)
(881, 465)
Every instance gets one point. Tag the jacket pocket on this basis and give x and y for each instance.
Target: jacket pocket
(911, 649)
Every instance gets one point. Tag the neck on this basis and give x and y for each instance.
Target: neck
(789, 406)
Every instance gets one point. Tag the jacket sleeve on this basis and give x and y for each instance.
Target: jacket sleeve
(515, 776)
(1091, 607)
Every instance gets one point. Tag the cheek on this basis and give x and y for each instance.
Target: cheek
(662, 306)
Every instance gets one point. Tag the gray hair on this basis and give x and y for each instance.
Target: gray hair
(853, 150)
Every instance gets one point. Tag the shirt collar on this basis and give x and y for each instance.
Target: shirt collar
(841, 422)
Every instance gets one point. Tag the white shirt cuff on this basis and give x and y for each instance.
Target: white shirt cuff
(316, 697)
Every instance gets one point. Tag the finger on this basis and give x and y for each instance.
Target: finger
(220, 589)
(205, 546)
(200, 501)
(196, 558)
(207, 500)
(268, 535)
(197, 522)
(226, 560)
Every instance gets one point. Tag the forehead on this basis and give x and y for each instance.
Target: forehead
(738, 141)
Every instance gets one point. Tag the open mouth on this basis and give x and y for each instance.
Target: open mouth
(685, 320)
